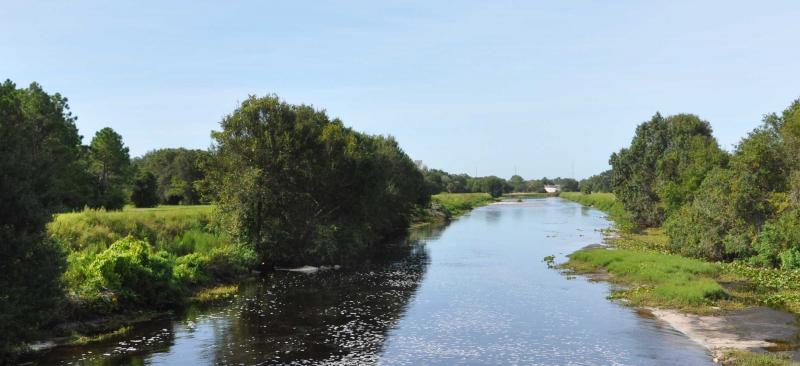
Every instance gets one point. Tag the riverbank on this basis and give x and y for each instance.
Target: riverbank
(203, 264)
(699, 298)
(448, 206)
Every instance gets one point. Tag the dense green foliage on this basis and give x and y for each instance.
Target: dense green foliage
(132, 274)
(302, 188)
(599, 183)
(145, 190)
(39, 150)
(144, 257)
(178, 173)
(715, 205)
(110, 168)
(746, 210)
(663, 167)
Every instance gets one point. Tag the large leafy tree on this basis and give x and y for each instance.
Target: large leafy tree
(110, 165)
(40, 171)
(301, 187)
(665, 164)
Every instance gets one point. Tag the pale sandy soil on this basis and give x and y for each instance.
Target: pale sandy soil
(752, 329)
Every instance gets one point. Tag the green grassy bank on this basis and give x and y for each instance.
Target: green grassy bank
(745, 285)
(605, 202)
(457, 204)
(146, 260)
(655, 277)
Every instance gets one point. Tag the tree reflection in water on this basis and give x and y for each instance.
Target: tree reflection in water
(329, 317)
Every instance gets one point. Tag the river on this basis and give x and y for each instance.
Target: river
(474, 292)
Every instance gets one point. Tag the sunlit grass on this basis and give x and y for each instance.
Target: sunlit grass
(655, 279)
(459, 203)
(745, 358)
(217, 293)
(164, 227)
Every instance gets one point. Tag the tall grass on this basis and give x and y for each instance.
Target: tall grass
(176, 229)
(114, 257)
(605, 202)
(657, 279)
(459, 203)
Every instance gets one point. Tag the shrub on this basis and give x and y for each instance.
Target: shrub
(720, 223)
(191, 269)
(134, 274)
(778, 235)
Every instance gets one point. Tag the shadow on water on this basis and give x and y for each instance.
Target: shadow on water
(329, 317)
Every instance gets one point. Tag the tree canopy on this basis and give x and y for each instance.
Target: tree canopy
(39, 156)
(178, 173)
(664, 165)
(304, 188)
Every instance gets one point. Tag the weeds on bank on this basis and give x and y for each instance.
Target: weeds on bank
(745, 358)
(459, 203)
(654, 279)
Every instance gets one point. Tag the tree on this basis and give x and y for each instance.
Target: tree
(178, 172)
(145, 190)
(720, 222)
(517, 183)
(109, 164)
(596, 183)
(665, 164)
(302, 188)
(39, 155)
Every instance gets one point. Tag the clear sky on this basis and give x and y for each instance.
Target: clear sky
(463, 85)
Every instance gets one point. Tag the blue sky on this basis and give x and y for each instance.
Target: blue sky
(466, 86)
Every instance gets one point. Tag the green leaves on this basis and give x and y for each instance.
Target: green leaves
(109, 165)
(664, 166)
(302, 188)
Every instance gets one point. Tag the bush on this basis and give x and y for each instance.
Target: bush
(191, 269)
(778, 241)
(133, 274)
(720, 223)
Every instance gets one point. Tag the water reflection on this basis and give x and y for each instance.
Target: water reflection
(331, 317)
(476, 293)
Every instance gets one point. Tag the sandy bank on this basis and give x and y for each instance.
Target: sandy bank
(753, 329)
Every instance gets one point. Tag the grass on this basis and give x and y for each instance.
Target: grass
(82, 340)
(214, 294)
(605, 202)
(458, 204)
(655, 279)
(744, 358)
(176, 229)
(744, 284)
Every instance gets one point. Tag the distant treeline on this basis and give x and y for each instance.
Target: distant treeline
(438, 181)
(716, 205)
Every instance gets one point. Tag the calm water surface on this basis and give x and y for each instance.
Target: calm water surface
(475, 292)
